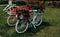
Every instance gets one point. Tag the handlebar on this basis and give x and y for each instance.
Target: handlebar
(9, 7)
(33, 10)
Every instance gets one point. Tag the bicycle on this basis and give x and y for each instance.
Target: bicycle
(23, 24)
(35, 21)
(9, 9)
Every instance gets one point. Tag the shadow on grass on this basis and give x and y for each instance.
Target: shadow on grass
(30, 31)
(42, 26)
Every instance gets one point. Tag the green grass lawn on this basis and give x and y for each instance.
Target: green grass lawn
(49, 28)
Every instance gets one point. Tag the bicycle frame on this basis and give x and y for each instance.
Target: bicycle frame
(35, 14)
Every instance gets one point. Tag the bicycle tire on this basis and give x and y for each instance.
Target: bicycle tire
(10, 22)
(16, 27)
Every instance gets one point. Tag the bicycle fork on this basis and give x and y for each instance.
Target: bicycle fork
(33, 21)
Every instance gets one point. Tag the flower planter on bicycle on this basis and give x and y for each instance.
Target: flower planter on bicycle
(24, 17)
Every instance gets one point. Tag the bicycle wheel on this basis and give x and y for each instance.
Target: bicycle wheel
(38, 20)
(21, 26)
(11, 20)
